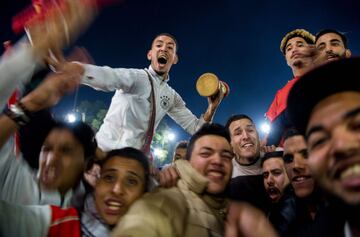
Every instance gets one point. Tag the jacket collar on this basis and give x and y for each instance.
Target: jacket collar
(157, 76)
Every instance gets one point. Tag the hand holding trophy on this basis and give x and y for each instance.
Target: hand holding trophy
(209, 85)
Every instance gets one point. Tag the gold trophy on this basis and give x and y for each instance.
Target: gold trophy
(209, 85)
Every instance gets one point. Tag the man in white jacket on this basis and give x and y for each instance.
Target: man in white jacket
(128, 120)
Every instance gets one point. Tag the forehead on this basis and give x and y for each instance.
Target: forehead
(338, 105)
(212, 141)
(273, 163)
(328, 37)
(60, 135)
(180, 150)
(123, 164)
(241, 123)
(295, 40)
(165, 39)
(294, 144)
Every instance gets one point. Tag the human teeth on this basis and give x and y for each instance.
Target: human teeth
(247, 145)
(215, 174)
(301, 178)
(113, 208)
(352, 170)
(51, 173)
(115, 204)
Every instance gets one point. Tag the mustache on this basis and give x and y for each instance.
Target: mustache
(332, 54)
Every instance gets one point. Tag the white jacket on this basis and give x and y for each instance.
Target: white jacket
(127, 119)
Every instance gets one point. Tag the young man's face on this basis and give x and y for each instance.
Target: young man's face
(334, 145)
(162, 54)
(245, 140)
(61, 161)
(296, 51)
(122, 181)
(275, 178)
(331, 47)
(296, 164)
(211, 157)
(179, 154)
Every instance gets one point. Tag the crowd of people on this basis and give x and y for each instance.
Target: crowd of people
(303, 180)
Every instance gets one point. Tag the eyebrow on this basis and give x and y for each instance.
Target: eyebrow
(335, 40)
(350, 114)
(210, 149)
(314, 129)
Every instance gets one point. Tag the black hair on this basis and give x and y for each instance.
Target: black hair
(268, 155)
(168, 35)
(207, 129)
(291, 132)
(182, 144)
(83, 134)
(235, 118)
(132, 154)
(326, 31)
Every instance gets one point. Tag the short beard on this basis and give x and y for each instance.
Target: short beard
(160, 73)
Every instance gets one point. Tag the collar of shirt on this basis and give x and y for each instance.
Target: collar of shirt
(157, 76)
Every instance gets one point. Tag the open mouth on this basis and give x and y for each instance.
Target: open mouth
(114, 207)
(246, 145)
(215, 174)
(49, 175)
(301, 178)
(162, 60)
(273, 192)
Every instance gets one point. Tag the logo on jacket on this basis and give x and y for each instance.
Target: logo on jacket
(164, 102)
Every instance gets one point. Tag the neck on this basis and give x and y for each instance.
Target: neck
(300, 68)
(246, 160)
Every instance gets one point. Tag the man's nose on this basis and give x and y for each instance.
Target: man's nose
(118, 188)
(51, 158)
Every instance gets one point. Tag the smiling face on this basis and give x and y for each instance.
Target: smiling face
(275, 178)
(211, 157)
(331, 47)
(122, 181)
(162, 54)
(334, 145)
(61, 161)
(296, 164)
(244, 140)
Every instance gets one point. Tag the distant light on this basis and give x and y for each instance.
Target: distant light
(157, 152)
(171, 136)
(265, 128)
(71, 117)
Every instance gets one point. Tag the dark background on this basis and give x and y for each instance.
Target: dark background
(237, 40)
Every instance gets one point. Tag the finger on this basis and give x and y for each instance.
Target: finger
(174, 176)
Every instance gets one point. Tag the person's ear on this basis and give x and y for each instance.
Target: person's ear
(176, 60)
(149, 55)
(347, 53)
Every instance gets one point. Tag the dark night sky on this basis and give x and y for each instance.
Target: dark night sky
(237, 40)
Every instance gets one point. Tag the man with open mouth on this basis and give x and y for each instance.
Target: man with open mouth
(142, 98)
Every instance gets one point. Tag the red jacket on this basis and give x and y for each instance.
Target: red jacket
(279, 103)
(64, 222)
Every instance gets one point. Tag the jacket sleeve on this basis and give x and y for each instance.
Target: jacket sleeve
(17, 183)
(184, 117)
(19, 220)
(110, 79)
(16, 68)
